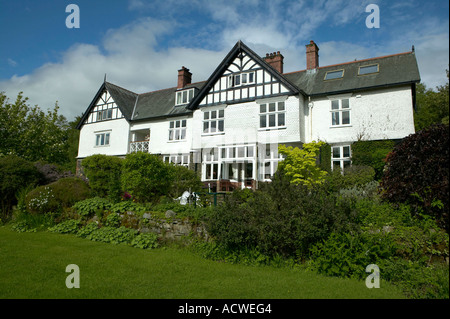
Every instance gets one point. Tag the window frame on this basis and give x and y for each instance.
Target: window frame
(269, 157)
(210, 158)
(216, 120)
(334, 71)
(342, 160)
(232, 153)
(178, 159)
(189, 96)
(104, 115)
(104, 138)
(369, 65)
(340, 110)
(177, 131)
(267, 115)
(232, 79)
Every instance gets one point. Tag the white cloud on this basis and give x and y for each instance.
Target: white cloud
(127, 55)
(11, 62)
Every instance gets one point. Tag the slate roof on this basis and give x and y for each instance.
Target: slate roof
(394, 70)
(124, 99)
(161, 103)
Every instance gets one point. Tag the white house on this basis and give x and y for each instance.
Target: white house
(228, 127)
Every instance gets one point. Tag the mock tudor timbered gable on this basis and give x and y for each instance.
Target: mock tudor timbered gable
(242, 76)
(110, 103)
(244, 80)
(105, 108)
(104, 128)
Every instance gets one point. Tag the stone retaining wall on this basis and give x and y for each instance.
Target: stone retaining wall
(171, 228)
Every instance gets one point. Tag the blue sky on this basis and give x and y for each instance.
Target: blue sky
(141, 44)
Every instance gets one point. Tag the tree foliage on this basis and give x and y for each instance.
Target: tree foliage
(184, 179)
(281, 218)
(417, 172)
(15, 175)
(33, 134)
(103, 173)
(301, 164)
(146, 176)
(432, 105)
(372, 153)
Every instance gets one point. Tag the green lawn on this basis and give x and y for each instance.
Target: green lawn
(32, 265)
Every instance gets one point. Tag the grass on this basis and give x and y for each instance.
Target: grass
(32, 266)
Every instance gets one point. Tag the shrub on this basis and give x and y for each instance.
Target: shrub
(368, 190)
(70, 226)
(145, 241)
(51, 172)
(23, 226)
(353, 176)
(282, 219)
(417, 173)
(43, 201)
(416, 279)
(91, 206)
(114, 235)
(85, 231)
(373, 154)
(347, 255)
(112, 220)
(56, 196)
(377, 214)
(15, 174)
(325, 157)
(145, 176)
(301, 164)
(184, 179)
(103, 173)
(127, 206)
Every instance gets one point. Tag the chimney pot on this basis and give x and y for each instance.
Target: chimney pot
(275, 60)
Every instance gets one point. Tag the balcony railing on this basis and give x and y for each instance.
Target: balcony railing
(140, 146)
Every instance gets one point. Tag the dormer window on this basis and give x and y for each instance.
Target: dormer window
(243, 78)
(184, 97)
(368, 69)
(331, 75)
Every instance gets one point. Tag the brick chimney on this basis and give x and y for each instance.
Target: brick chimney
(184, 77)
(312, 56)
(275, 60)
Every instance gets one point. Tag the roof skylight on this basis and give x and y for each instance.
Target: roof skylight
(368, 69)
(331, 75)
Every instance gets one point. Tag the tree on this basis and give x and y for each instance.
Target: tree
(15, 174)
(32, 133)
(184, 179)
(145, 176)
(301, 164)
(73, 137)
(417, 173)
(103, 174)
(432, 106)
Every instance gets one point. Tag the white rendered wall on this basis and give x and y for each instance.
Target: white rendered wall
(374, 115)
(241, 125)
(118, 144)
(159, 136)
